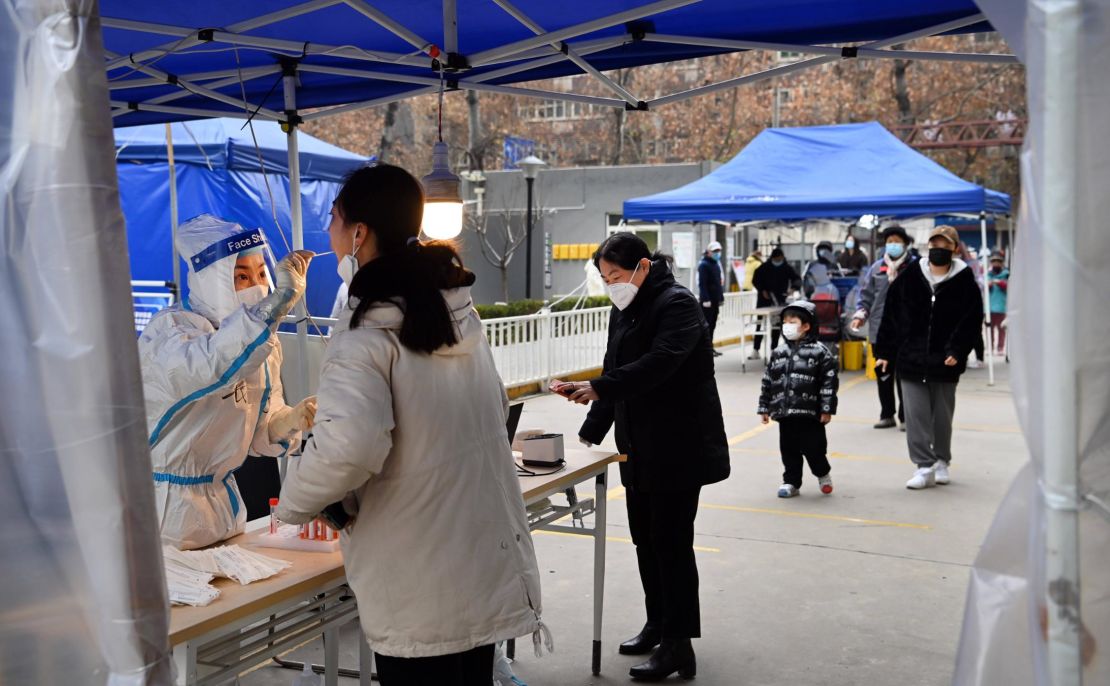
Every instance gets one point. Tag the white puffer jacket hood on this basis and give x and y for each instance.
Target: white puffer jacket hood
(390, 316)
(439, 556)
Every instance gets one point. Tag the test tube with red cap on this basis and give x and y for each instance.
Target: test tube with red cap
(273, 516)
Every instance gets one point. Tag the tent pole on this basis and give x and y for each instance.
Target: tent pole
(246, 25)
(173, 209)
(289, 83)
(121, 108)
(542, 40)
(785, 69)
(1059, 147)
(863, 53)
(984, 255)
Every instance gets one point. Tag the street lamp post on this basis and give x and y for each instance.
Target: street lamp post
(530, 166)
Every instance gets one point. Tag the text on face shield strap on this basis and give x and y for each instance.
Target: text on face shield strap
(227, 247)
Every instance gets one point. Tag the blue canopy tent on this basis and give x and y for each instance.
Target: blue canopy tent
(820, 172)
(188, 60)
(218, 171)
(824, 172)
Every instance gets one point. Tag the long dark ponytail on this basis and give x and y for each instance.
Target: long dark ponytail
(406, 272)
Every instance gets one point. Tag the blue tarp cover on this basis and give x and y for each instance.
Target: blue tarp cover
(227, 144)
(820, 172)
(233, 188)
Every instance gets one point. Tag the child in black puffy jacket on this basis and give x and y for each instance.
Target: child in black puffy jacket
(799, 392)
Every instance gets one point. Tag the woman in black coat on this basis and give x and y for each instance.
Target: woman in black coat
(659, 391)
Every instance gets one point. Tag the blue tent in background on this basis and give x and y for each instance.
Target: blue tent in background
(820, 172)
(218, 171)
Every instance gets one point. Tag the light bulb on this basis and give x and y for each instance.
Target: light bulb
(442, 203)
(442, 220)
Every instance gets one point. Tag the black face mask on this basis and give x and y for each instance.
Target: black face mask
(941, 257)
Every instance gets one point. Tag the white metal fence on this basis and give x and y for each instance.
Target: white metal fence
(154, 296)
(732, 322)
(542, 346)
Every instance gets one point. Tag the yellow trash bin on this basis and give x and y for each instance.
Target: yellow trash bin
(870, 366)
(851, 355)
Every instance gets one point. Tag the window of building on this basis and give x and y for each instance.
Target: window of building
(659, 148)
(550, 109)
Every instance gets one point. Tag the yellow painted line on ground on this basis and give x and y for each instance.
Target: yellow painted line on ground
(616, 539)
(815, 515)
(616, 493)
(853, 383)
(833, 454)
(983, 428)
(748, 434)
(989, 428)
(867, 458)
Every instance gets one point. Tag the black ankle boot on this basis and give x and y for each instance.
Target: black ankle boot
(644, 642)
(673, 655)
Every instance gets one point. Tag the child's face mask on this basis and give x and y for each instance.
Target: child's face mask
(792, 330)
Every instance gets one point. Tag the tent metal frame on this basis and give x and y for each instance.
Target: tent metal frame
(544, 49)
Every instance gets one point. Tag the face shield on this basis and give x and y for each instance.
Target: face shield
(213, 247)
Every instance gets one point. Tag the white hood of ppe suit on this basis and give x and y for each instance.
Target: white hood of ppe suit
(439, 556)
(212, 385)
(205, 243)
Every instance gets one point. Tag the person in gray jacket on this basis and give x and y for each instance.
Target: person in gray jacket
(897, 257)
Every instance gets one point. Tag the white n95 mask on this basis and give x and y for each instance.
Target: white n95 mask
(252, 296)
(792, 331)
(622, 294)
(348, 266)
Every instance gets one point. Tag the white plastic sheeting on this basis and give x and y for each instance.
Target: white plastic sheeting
(1039, 603)
(83, 598)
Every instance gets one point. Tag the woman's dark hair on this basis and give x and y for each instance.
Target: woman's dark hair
(626, 249)
(407, 273)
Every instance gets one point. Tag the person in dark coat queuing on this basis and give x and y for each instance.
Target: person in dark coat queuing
(934, 314)
(897, 258)
(772, 281)
(851, 259)
(658, 390)
(711, 287)
(799, 392)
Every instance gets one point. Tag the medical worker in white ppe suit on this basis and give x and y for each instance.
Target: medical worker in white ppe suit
(212, 379)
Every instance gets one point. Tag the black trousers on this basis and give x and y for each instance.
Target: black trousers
(802, 438)
(979, 347)
(774, 339)
(889, 385)
(662, 526)
(472, 668)
(711, 314)
(775, 331)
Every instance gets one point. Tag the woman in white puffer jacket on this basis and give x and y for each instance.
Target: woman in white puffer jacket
(411, 420)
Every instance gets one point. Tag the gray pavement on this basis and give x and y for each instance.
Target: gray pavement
(862, 587)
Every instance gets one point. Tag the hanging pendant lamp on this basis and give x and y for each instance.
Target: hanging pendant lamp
(443, 205)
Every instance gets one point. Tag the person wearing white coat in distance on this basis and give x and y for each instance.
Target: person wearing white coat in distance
(212, 379)
(411, 423)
